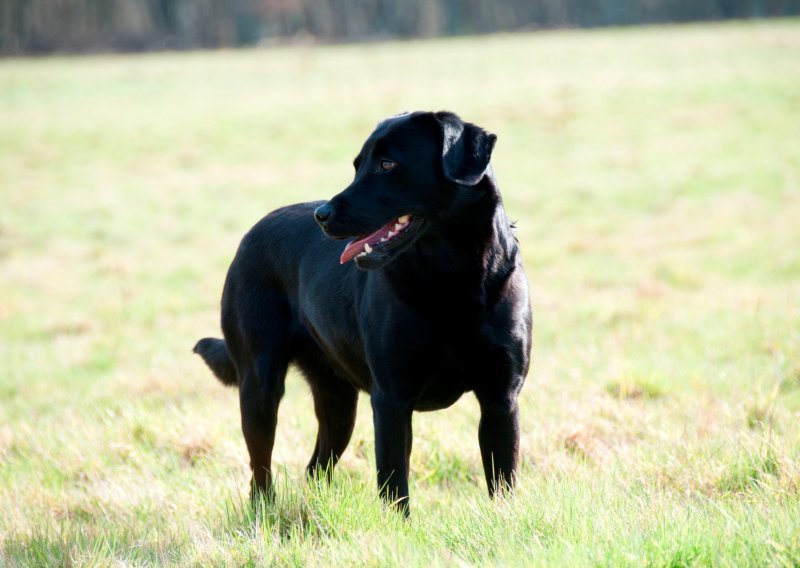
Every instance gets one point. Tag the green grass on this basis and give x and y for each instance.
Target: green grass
(654, 174)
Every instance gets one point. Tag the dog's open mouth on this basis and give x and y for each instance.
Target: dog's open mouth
(384, 239)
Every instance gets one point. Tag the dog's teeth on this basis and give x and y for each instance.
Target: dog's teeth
(404, 219)
(367, 248)
(391, 234)
(383, 240)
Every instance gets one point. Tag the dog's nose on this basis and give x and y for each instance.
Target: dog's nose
(322, 213)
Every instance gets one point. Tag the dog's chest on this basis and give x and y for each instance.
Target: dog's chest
(459, 359)
(450, 373)
(437, 345)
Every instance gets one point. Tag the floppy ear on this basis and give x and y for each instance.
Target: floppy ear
(466, 149)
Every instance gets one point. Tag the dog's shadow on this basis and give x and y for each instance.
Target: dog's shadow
(304, 507)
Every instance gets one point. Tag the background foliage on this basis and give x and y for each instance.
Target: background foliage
(36, 26)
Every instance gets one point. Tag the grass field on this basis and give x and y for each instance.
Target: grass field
(654, 175)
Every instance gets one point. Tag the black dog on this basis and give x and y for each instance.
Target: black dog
(429, 301)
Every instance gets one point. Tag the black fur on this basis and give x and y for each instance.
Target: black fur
(215, 354)
(437, 311)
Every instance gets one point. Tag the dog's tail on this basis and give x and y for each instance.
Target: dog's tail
(215, 353)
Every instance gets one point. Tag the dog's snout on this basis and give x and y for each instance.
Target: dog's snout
(322, 213)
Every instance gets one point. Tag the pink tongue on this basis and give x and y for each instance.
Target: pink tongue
(356, 247)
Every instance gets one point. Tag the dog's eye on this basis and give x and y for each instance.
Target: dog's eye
(387, 166)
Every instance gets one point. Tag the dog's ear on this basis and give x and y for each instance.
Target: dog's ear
(466, 149)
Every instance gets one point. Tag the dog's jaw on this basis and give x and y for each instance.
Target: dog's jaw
(384, 240)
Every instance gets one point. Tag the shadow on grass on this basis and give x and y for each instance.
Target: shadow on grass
(311, 508)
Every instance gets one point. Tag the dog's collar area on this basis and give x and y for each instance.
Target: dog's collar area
(365, 245)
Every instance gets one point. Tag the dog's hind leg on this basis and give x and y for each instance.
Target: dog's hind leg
(262, 349)
(335, 404)
(259, 397)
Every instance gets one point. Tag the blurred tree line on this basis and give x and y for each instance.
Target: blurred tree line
(41, 26)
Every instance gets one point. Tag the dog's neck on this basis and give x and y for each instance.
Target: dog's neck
(471, 254)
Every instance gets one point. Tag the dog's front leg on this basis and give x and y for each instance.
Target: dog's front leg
(498, 434)
(392, 420)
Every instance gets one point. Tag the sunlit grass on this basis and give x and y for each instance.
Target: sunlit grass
(654, 175)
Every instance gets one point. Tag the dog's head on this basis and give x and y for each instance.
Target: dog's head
(409, 174)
